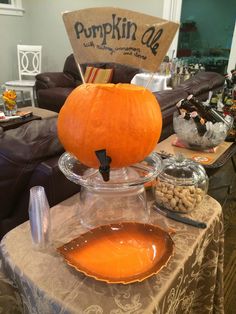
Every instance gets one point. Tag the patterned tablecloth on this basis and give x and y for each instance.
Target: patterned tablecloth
(192, 281)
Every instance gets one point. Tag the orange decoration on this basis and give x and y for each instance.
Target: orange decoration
(124, 119)
(119, 253)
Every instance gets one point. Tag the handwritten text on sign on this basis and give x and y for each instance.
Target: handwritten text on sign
(117, 35)
(119, 28)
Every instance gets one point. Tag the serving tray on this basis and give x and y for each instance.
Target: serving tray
(123, 253)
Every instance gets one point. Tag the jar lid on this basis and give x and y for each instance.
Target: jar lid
(178, 170)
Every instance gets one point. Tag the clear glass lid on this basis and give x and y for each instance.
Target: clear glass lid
(181, 171)
(123, 178)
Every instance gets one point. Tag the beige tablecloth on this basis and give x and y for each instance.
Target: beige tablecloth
(192, 282)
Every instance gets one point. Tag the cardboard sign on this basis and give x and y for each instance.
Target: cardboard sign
(116, 35)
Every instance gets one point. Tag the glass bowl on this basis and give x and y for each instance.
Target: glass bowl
(123, 253)
(188, 133)
(182, 184)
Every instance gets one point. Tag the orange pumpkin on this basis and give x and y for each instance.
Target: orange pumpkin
(124, 119)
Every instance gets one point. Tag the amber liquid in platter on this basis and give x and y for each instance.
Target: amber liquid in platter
(120, 254)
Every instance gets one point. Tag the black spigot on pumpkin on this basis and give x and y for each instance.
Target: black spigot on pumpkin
(105, 161)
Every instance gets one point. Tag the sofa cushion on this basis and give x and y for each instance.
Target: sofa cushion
(53, 98)
(96, 75)
(169, 97)
(57, 186)
(122, 73)
(194, 86)
(214, 79)
(71, 68)
(54, 79)
(21, 150)
(202, 83)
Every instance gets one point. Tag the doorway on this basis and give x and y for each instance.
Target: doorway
(206, 32)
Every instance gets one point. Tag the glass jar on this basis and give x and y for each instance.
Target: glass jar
(10, 109)
(181, 185)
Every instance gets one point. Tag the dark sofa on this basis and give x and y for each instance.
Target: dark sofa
(28, 157)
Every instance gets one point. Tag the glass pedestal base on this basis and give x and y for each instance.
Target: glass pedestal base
(121, 199)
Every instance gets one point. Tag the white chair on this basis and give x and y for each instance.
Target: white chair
(29, 65)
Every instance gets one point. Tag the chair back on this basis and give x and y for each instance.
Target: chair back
(29, 60)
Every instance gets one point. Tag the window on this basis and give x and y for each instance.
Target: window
(11, 7)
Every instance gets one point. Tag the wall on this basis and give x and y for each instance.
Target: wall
(15, 30)
(47, 27)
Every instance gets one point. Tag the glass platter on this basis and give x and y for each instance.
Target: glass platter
(122, 178)
(123, 253)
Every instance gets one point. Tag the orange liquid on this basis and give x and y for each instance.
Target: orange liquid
(119, 254)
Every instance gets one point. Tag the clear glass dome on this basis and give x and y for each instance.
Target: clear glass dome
(181, 185)
(122, 198)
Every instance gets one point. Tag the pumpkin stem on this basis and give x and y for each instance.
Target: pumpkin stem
(105, 161)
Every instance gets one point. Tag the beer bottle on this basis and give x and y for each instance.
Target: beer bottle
(228, 81)
(186, 105)
(201, 127)
(206, 111)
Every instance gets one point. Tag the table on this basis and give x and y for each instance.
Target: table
(209, 160)
(43, 113)
(38, 114)
(15, 123)
(190, 283)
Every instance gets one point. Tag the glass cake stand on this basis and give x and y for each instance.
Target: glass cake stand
(121, 199)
